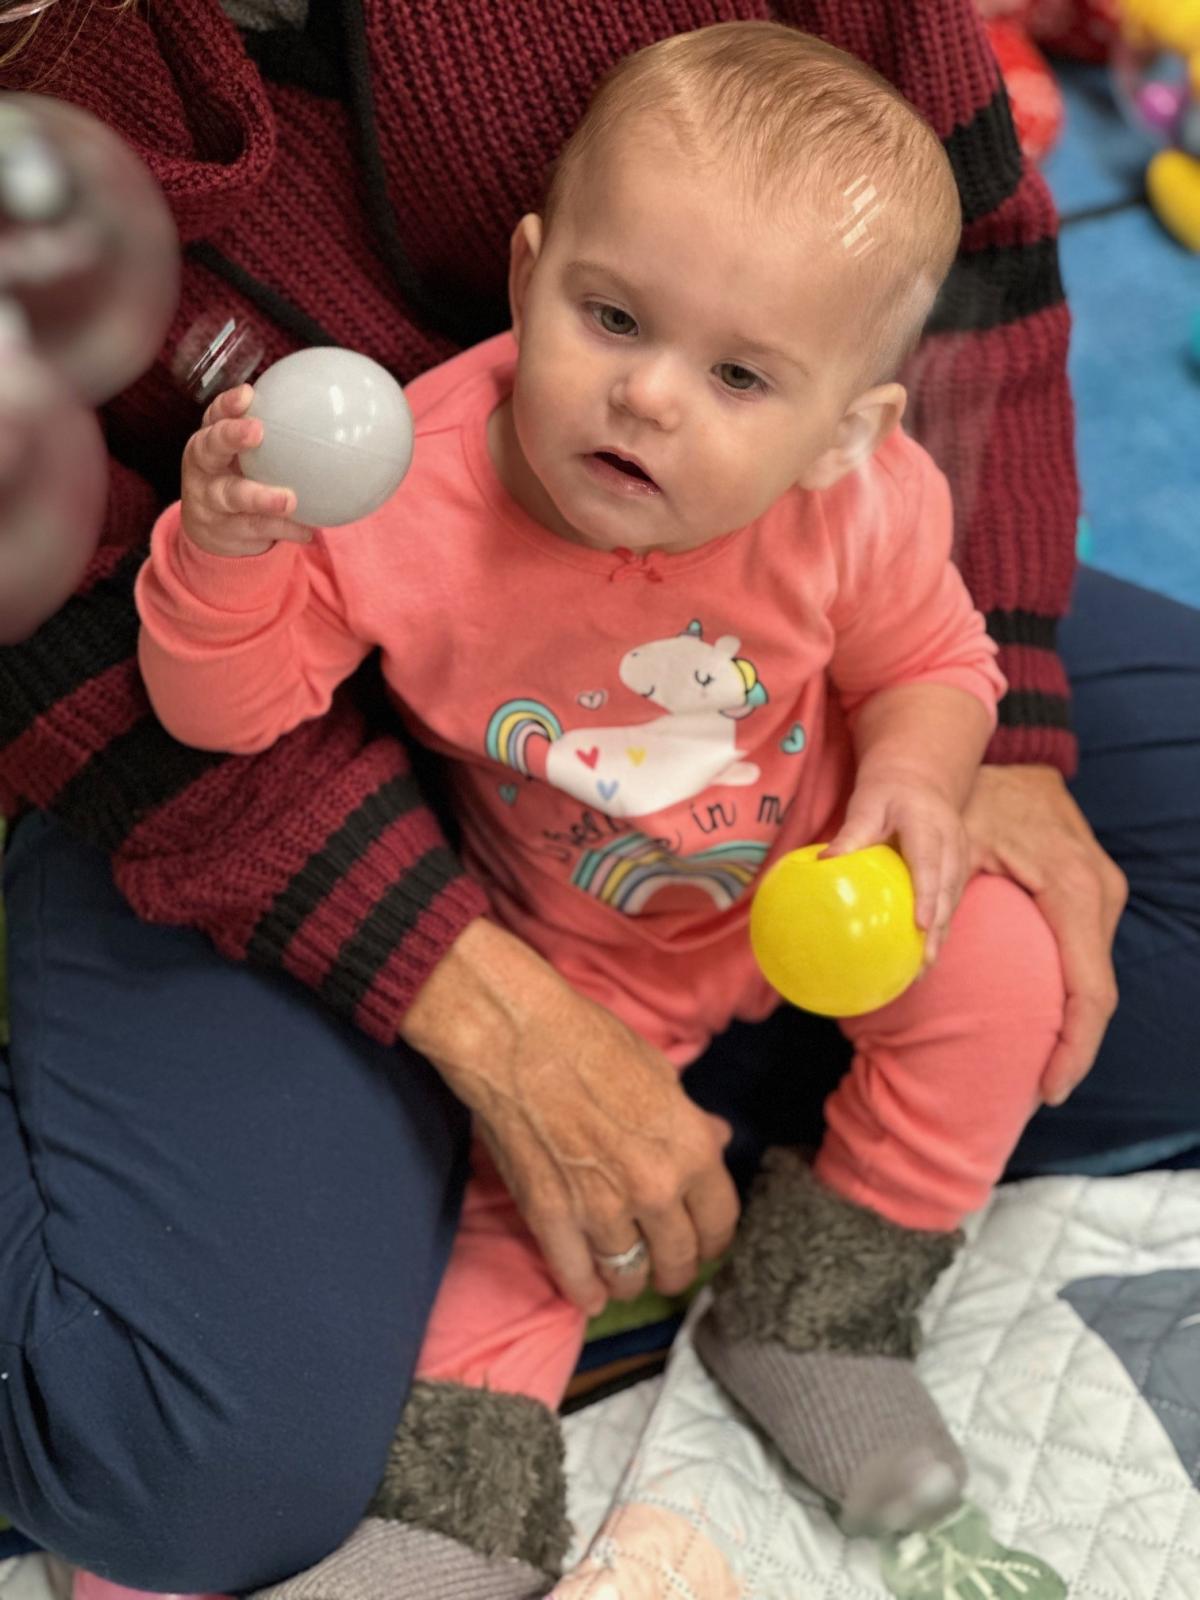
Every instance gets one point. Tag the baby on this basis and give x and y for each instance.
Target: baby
(671, 594)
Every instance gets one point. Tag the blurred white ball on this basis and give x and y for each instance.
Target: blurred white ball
(336, 430)
(90, 250)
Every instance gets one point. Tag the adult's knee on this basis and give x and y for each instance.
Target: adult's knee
(124, 1463)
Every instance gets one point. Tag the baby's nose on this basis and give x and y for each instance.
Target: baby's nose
(650, 392)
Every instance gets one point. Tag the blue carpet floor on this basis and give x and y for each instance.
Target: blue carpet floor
(1134, 294)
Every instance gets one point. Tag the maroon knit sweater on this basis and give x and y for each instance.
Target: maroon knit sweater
(356, 184)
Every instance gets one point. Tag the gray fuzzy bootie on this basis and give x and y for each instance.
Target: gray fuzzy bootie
(472, 1507)
(813, 1330)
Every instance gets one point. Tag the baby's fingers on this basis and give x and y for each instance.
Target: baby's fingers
(215, 449)
(251, 535)
(921, 847)
(951, 881)
(279, 528)
(230, 403)
(229, 496)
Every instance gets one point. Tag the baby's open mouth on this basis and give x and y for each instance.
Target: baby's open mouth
(629, 468)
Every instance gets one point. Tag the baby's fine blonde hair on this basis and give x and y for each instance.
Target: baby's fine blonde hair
(11, 49)
(793, 115)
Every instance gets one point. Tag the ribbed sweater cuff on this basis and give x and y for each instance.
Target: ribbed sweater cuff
(366, 919)
(402, 937)
(1032, 746)
(1034, 726)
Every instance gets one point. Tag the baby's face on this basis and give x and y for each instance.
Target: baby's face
(684, 361)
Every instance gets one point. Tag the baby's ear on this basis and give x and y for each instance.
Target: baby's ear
(866, 423)
(524, 248)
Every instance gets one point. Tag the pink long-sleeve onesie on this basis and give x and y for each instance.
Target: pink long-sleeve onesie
(630, 741)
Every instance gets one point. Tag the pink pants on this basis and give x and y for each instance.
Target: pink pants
(942, 1083)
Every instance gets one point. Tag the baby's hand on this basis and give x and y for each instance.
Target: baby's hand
(930, 835)
(223, 512)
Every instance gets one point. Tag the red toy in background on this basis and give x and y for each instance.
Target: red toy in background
(1035, 97)
(1019, 31)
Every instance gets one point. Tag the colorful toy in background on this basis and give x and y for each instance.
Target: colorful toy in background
(1156, 66)
(1154, 48)
(838, 935)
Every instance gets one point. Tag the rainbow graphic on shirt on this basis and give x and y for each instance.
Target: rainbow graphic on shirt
(514, 725)
(628, 870)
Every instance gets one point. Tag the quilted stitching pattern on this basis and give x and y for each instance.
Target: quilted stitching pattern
(1152, 1321)
(1070, 1461)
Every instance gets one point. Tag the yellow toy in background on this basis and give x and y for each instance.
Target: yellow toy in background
(1168, 108)
(839, 936)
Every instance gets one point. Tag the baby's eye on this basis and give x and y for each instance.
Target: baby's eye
(703, 678)
(613, 320)
(738, 378)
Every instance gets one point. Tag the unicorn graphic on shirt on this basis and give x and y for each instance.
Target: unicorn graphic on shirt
(636, 769)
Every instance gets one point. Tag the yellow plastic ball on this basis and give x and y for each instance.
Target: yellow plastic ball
(838, 937)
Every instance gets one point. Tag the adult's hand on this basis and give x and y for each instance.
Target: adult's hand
(589, 1125)
(1022, 822)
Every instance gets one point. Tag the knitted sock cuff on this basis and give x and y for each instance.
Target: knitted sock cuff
(812, 1271)
(389, 1561)
(480, 1467)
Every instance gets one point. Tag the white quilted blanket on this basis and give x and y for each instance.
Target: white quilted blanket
(1064, 1350)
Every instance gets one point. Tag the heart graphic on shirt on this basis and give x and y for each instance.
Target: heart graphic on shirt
(795, 741)
(636, 756)
(607, 789)
(508, 793)
(589, 757)
(592, 699)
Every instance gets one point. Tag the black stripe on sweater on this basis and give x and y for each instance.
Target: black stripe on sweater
(1023, 627)
(275, 305)
(134, 774)
(326, 867)
(990, 288)
(365, 953)
(93, 631)
(1031, 708)
(445, 307)
(986, 158)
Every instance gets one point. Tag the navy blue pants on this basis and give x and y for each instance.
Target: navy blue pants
(223, 1214)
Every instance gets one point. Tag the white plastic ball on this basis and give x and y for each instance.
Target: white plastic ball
(336, 430)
